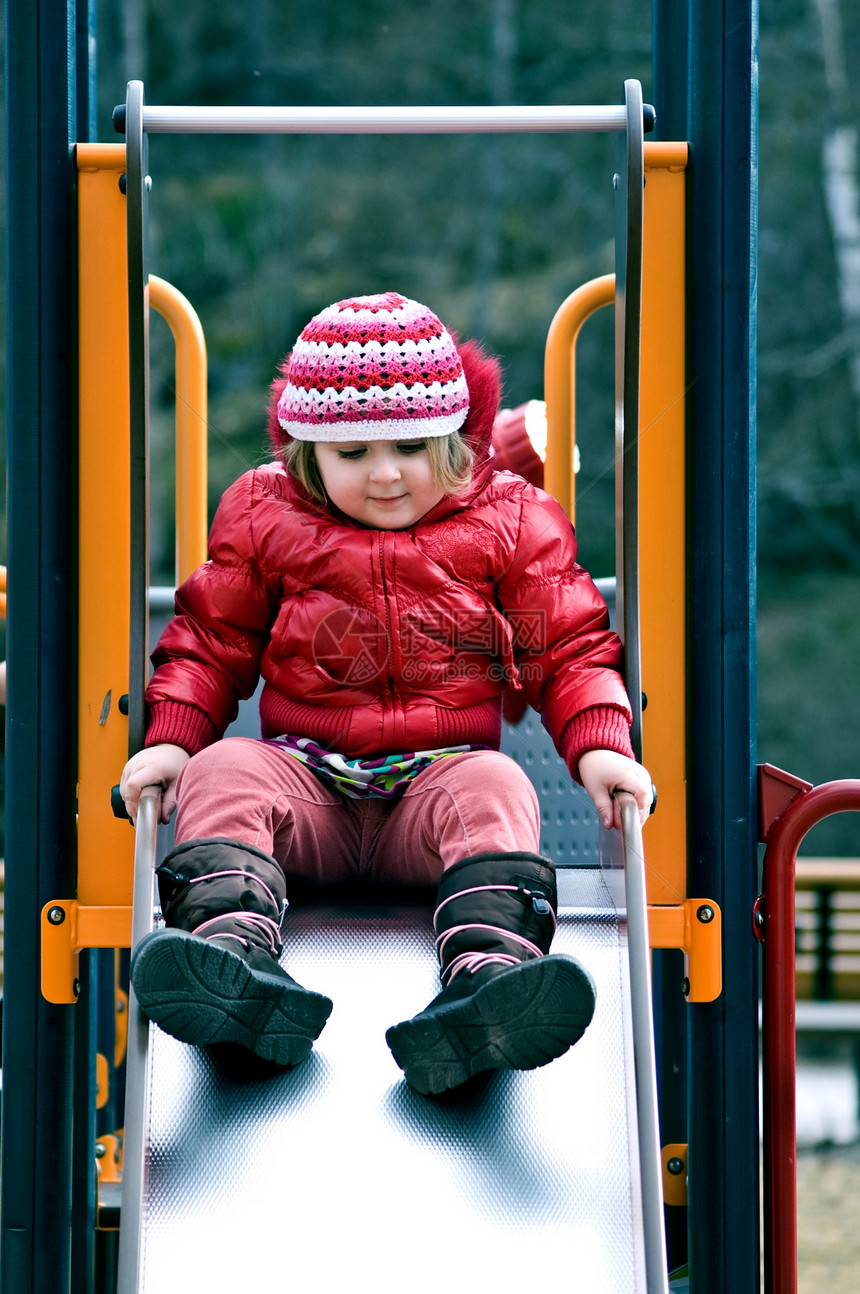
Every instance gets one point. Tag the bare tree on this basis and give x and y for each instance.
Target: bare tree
(841, 187)
(133, 40)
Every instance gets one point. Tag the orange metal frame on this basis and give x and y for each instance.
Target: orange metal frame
(662, 517)
(100, 916)
(674, 920)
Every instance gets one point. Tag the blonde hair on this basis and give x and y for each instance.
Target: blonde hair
(451, 464)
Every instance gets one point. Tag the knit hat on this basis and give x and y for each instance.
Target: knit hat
(373, 368)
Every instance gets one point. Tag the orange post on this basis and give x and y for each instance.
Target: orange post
(662, 517)
(105, 844)
(100, 915)
(662, 492)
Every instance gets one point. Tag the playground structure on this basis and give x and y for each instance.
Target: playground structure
(67, 911)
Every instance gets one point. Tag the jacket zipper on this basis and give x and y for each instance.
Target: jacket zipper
(388, 737)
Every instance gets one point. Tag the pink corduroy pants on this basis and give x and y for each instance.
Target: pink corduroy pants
(475, 803)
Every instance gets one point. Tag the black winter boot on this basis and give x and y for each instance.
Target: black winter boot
(213, 976)
(505, 1004)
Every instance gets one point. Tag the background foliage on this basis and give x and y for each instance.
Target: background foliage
(260, 232)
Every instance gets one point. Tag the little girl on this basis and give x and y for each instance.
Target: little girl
(388, 584)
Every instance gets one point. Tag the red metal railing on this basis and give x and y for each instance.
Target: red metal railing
(790, 808)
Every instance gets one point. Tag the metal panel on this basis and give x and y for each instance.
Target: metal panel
(338, 1170)
(569, 822)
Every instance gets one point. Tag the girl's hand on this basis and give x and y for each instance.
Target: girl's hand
(155, 766)
(603, 772)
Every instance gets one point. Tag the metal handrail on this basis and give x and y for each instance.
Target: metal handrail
(628, 319)
(137, 191)
(775, 912)
(173, 119)
(560, 385)
(191, 423)
(137, 1066)
(644, 1055)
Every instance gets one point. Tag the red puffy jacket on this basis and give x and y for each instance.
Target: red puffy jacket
(379, 641)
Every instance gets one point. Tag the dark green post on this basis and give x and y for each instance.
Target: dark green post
(35, 1172)
(705, 91)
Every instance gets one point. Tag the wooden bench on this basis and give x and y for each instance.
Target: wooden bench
(828, 931)
(827, 921)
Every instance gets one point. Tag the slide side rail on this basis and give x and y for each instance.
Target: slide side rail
(138, 1069)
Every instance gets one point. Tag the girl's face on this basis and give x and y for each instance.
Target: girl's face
(385, 484)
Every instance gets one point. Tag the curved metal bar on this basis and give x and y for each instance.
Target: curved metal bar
(191, 424)
(779, 1057)
(138, 341)
(643, 1045)
(560, 385)
(369, 120)
(137, 1067)
(628, 308)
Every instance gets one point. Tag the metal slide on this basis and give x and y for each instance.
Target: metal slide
(337, 1175)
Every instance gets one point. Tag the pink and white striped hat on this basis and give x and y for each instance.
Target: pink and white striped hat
(373, 368)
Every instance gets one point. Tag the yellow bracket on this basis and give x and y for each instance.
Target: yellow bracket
(674, 1159)
(695, 926)
(109, 1178)
(109, 1158)
(121, 1026)
(102, 1081)
(67, 927)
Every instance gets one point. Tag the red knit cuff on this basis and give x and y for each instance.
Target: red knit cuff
(180, 724)
(602, 727)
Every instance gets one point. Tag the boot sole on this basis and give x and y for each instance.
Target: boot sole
(520, 1019)
(204, 996)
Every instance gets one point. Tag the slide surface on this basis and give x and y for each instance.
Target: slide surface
(338, 1176)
